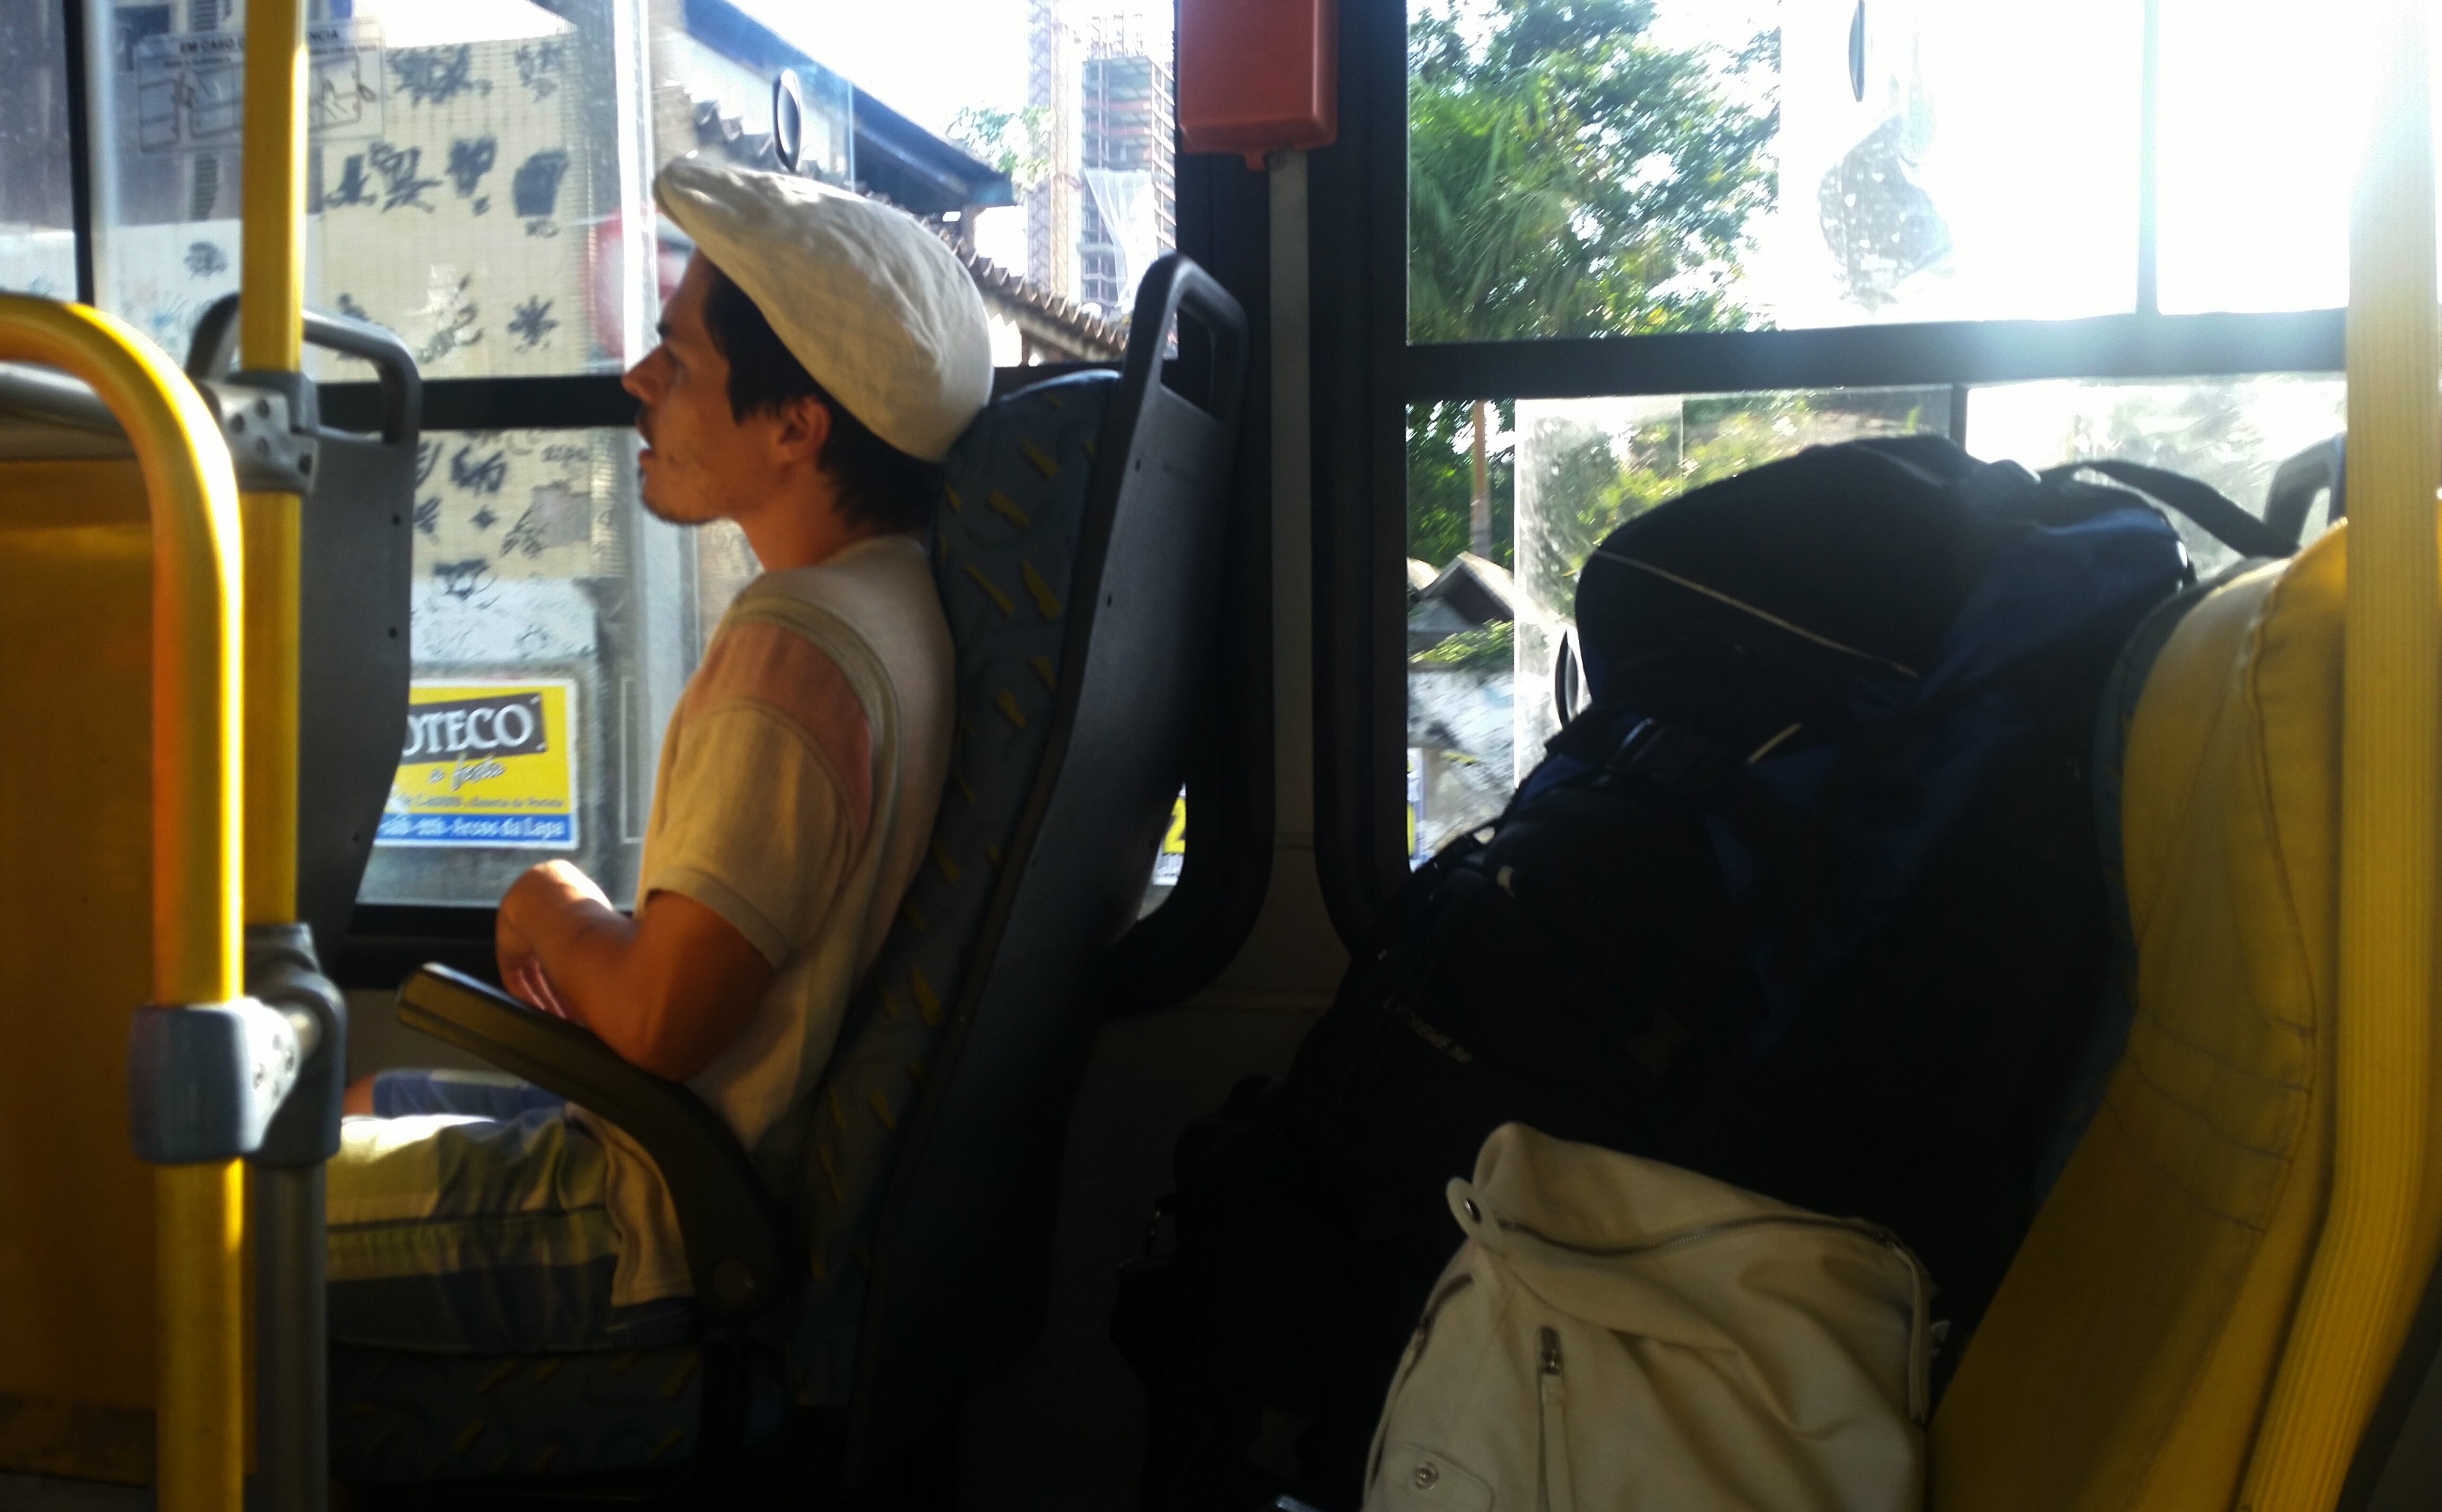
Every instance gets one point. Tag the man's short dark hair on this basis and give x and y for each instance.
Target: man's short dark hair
(881, 488)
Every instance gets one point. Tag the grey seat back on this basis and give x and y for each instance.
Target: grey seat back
(354, 570)
(356, 564)
(1077, 553)
(1004, 550)
(962, 1262)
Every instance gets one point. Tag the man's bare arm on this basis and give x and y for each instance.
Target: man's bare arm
(670, 989)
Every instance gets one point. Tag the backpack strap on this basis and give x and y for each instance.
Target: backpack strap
(2207, 507)
(1713, 780)
(1795, 848)
(1818, 841)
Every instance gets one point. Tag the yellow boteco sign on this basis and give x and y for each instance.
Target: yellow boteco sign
(486, 764)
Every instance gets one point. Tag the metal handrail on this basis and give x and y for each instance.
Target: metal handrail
(199, 597)
(2378, 1238)
(293, 1374)
(271, 339)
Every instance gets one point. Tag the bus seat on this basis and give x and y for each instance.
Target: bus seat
(76, 845)
(76, 559)
(2117, 711)
(1078, 557)
(356, 571)
(2126, 1359)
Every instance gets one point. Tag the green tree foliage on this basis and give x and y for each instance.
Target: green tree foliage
(1593, 480)
(1440, 481)
(1567, 176)
(1016, 142)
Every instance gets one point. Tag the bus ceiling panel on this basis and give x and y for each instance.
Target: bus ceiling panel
(2117, 346)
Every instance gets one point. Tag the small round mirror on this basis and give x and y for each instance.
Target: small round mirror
(788, 119)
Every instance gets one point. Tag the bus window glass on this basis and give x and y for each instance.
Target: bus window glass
(557, 619)
(1700, 165)
(477, 171)
(2229, 432)
(37, 240)
(2261, 117)
(1505, 502)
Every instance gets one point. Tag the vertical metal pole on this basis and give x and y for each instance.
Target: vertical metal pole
(81, 142)
(652, 669)
(1293, 507)
(292, 1458)
(2378, 1243)
(291, 1370)
(271, 339)
(199, 1419)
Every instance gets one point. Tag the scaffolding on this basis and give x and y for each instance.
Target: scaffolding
(1108, 204)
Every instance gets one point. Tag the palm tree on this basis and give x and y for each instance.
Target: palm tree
(1569, 177)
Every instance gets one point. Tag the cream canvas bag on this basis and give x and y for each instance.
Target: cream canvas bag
(1620, 1334)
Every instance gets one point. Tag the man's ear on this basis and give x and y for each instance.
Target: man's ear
(805, 426)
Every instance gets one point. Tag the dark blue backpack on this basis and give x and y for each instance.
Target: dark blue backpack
(1808, 900)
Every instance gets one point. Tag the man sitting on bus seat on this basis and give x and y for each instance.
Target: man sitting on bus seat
(816, 362)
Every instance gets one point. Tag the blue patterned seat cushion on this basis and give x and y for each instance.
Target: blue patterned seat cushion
(1004, 554)
(1005, 551)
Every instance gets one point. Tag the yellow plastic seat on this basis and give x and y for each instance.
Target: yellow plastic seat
(2128, 1357)
(76, 1369)
(121, 1331)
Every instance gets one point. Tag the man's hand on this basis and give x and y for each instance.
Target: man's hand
(523, 974)
(669, 990)
(555, 886)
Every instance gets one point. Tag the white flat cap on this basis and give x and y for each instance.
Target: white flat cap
(879, 309)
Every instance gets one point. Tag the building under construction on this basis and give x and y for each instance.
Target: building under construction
(1108, 204)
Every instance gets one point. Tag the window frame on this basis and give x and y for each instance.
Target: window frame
(1366, 373)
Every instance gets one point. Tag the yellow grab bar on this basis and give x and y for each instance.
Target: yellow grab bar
(2378, 1239)
(271, 337)
(197, 598)
(271, 258)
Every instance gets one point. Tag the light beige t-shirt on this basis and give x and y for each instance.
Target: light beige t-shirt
(795, 794)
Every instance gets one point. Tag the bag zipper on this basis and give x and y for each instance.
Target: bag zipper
(1416, 1357)
(1424, 1326)
(1554, 1491)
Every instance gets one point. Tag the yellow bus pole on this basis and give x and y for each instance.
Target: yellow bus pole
(197, 743)
(2377, 1244)
(291, 1441)
(271, 339)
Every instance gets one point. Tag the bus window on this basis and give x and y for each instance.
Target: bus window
(37, 244)
(1849, 205)
(2229, 432)
(542, 587)
(1704, 165)
(465, 180)
(2259, 121)
(1169, 861)
(1505, 500)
